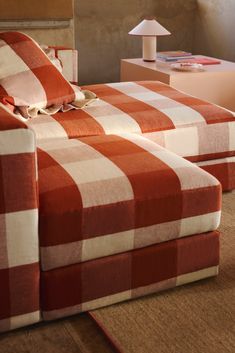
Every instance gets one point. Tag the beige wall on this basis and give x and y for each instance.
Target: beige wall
(61, 36)
(215, 29)
(34, 9)
(101, 29)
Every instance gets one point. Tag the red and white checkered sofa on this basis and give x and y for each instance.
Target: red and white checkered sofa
(98, 206)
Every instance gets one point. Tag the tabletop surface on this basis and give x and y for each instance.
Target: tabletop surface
(224, 66)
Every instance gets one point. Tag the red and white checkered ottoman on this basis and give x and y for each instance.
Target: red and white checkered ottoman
(199, 131)
(121, 217)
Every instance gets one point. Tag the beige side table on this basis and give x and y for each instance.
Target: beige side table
(216, 84)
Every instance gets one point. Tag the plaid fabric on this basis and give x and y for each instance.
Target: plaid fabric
(92, 284)
(65, 59)
(51, 53)
(184, 125)
(223, 169)
(69, 62)
(19, 255)
(117, 199)
(108, 194)
(29, 82)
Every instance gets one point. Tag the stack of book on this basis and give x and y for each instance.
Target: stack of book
(171, 56)
(202, 61)
(185, 57)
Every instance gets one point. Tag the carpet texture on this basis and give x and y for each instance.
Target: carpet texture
(77, 334)
(195, 318)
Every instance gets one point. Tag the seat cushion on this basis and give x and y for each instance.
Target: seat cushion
(185, 125)
(108, 194)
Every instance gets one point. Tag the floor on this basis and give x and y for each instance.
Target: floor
(78, 334)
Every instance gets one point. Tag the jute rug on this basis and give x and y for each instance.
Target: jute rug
(77, 334)
(196, 318)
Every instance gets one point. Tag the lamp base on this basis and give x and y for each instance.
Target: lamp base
(149, 61)
(149, 48)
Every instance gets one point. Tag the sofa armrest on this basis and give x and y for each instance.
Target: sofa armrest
(69, 60)
(19, 250)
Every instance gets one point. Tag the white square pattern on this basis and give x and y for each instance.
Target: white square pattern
(183, 142)
(8, 60)
(232, 136)
(22, 237)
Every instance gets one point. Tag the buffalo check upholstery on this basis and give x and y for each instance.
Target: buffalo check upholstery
(69, 62)
(19, 253)
(191, 128)
(185, 125)
(109, 194)
(108, 280)
(121, 207)
(65, 59)
(29, 82)
(110, 202)
(223, 169)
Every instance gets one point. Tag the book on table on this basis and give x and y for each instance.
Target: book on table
(173, 55)
(202, 61)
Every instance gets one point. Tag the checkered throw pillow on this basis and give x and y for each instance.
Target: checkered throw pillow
(29, 82)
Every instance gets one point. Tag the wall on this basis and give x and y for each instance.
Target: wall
(215, 29)
(61, 36)
(101, 29)
(34, 9)
(20, 14)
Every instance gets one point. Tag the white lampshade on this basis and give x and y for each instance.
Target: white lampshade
(149, 28)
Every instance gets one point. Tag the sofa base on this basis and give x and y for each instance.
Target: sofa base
(223, 170)
(15, 322)
(105, 281)
(147, 290)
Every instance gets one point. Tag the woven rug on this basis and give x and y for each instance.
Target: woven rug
(196, 318)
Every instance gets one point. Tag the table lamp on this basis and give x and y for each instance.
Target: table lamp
(149, 29)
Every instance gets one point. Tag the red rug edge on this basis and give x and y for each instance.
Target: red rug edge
(107, 335)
